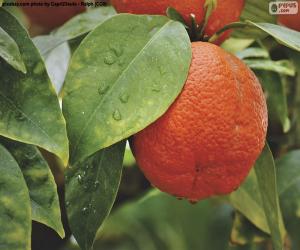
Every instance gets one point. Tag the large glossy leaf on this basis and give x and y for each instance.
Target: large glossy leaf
(40, 182)
(283, 35)
(15, 215)
(91, 189)
(77, 26)
(276, 98)
(266, 179)
(123, 76)
(29, 108)
(9, 51)
(257, 199)
(258, 11)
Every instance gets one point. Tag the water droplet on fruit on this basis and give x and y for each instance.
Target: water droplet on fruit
(156, 87)
(110, 59)
(124, 98)
(102, 88)
(117, 115)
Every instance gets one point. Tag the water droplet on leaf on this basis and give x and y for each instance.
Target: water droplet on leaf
(117, 50)
(85, 210)
(110, 59)
(162, 71)
(20, 116)
(117, 115)
(124, 98)
(102, 88)
(96, 184)
(31, 155)
(156, 87)
(79, 179)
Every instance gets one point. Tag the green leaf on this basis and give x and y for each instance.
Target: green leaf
(276, 98)
(244, 232)
(235, 45)
(283, 35)
(266, 178)
(29, 108)
(9, 51)
(91, 189)
(131, 68)
(175, 15)
(253, 52)
(75, 27)
(57, 62)
(295, 135)
(247, 200)
(288, 171)
(257, 198)
(284, 67)
(160, 221)
(258, 11)
(288, 182)
(15, 215)
(40, 182)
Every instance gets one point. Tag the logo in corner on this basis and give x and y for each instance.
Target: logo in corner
(283, 8)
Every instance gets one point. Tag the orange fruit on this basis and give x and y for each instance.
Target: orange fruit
(227, 11)
(290, 21)
(210, 137)
(49, 18)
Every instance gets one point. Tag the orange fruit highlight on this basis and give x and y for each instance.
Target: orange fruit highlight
(290, 21)
(227, 11)
(51, 17)
(210, 137)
